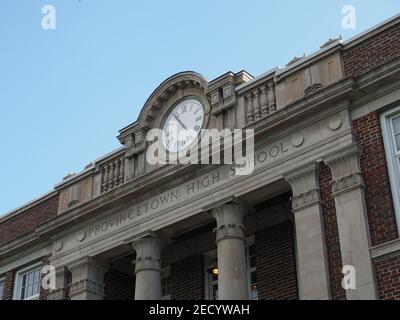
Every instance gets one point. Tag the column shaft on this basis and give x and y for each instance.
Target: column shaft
(232, 270)
(312, 261)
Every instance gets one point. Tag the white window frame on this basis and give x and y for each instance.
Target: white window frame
(18, 282)
(391, 156)
(249, 242)
(2, 282)
(166, 273)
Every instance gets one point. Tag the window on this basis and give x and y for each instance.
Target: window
(27, 283)
(166, 284)
(1, 288)
(251, 269)
(391, 135)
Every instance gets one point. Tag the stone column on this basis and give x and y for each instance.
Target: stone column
(232, 271)
(312, 261)
(87, 279)
(147, 268)
(348, 191)
(61, 284)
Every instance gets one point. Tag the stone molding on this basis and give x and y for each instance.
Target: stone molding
(61, 285)
(346, 170)
(148, 251)
(229, 219)
(305, 185)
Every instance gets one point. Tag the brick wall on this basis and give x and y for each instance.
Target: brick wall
(331, 234)
(187, 279)
(9, 285)
(28, 220)
(118, 286)
(388, 277)
(378, 196)
(377, 50)
(276, 265)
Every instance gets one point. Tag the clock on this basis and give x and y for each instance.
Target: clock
(182, 125)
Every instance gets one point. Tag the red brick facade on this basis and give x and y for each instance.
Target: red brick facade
(28, 220)
(377, 50)
(331, 234)
(388, 277)
(9, 285)
(276, 265)
(118, 286)
(378, 195)
(187, 279)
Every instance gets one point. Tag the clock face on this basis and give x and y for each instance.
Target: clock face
(182, 125)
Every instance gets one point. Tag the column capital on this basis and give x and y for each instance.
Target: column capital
(346, 170)
(148, 251)
(229, 218)
(87, 278)
(305, 185)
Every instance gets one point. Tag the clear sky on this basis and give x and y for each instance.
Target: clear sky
(65, 93)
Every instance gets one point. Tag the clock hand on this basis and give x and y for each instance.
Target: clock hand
(180, 122)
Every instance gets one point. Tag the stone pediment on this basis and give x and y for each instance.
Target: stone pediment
(168, 92)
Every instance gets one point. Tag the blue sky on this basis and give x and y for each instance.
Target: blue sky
(65, 93)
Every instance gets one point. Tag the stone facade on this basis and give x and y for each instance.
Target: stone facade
(322, 195)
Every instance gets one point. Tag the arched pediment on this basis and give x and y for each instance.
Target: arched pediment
(173, 87)
(168, 89)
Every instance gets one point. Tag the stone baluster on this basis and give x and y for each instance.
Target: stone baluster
(256, 104)
(264, 101)
(110, 176)
(116, 173)
(250, 110)
(271, 97)
(105, 178)
(121, 170)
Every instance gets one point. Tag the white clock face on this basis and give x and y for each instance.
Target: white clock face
(182, 125)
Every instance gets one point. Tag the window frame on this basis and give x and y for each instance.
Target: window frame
(3, 283)
(166, 273)
(392, 155)
(18, 281)
(250, 242)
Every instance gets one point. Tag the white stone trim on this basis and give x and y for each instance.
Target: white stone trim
(389, 149)
(387, 248)
(25, 259)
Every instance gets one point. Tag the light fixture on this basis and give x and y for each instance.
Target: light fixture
(213, 268)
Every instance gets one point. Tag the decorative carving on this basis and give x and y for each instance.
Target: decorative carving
(304, 183)
(335, 122)
(345, 167)
(229, 221)
(298, 140)
(147, 254)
